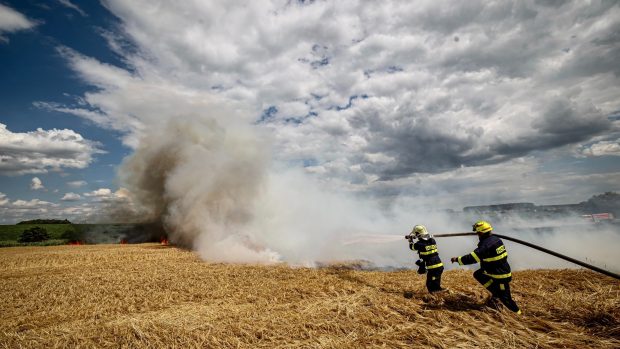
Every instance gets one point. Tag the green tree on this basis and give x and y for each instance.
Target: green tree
(34, 234)
(45, 221)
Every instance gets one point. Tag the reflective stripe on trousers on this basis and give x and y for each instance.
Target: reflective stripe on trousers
(498, 276)
(434, 266)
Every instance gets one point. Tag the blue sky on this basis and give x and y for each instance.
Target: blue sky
(32, 70)
(450, 104)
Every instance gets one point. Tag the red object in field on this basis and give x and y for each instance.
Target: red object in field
(603, 216)
(123, 242)
(597, 217)
(75, 243)
(163, 241)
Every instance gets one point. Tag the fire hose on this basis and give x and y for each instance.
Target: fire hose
(553, 253)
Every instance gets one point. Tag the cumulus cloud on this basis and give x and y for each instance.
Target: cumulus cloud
(71, 197)
(36, 184)
(120, 196)
(355, 82)
(31, 204)
(602, 148)
(525, 179)
(41, 150)
(13, 211)
(12, 21)
(20, 210)
(101, 192)
(369, 97)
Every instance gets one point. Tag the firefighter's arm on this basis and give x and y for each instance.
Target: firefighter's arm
(471, 258)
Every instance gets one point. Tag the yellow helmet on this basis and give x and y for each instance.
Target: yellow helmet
(420, 232)
(482, 227)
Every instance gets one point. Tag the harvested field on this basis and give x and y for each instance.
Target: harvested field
(152, 296)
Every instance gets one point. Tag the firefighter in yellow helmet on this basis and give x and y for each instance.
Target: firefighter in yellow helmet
(494, 272)
(429, 262)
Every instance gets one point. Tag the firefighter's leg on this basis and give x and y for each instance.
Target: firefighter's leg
(486, 281)
(439, 273)
(433, 279)
(505, 296)
(430, 280)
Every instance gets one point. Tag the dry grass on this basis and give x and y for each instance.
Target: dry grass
(151, 296)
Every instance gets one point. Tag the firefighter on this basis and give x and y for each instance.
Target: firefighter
(494, 272)
(429, 262)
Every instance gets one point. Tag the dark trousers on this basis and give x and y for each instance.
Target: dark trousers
(433, 279)
(499, 288)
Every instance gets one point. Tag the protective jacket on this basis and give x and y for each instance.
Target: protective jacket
(427, 250)
(492, 256)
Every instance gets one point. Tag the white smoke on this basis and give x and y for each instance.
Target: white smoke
(215, 189)
(595, 244)
(201, 179)
(212, 185)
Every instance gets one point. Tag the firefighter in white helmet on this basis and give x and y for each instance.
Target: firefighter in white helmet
(429, 262)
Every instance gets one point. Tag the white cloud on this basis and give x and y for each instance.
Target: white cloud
(370, 96)
(93, 116)
(101, 192)
(36, 184)
(41, 150)
(518, 180)
(18, 210)
(73, 6)
(12, 21)
(14, 211)
(107, 195)
(71, 197)
(30, 204)
(602, 148)
(76, 184)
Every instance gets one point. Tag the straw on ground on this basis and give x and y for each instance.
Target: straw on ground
(152, 296)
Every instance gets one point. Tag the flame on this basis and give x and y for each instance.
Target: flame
(123, 242)
(75, 243)
(164, 241)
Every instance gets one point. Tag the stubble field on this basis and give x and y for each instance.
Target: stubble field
(152, 296)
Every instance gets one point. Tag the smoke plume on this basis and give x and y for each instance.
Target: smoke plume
(201, 180)
(213, 187)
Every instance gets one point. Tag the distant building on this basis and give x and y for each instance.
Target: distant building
(608, 203)
(512, 207)
(568, 208)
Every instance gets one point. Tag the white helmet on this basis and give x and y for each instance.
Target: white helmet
(420, 232)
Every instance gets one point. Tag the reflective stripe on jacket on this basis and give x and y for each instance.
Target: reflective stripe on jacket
(492, 256)
(427, 250)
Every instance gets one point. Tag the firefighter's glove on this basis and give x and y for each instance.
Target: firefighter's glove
(454, 259)
(421, 266)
